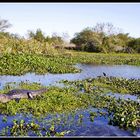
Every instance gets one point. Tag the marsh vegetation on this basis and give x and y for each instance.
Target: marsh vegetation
(80, 106)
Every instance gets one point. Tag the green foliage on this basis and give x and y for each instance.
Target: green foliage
(135, 45)
(55, 40)
(106, 84)
(38, 35)
(102, 38)
(125, 114)
(16, 45)
(18, 64)
(110, 58)
(37, 43)
(55, 100)
(122, 39)
(19, 56)
(88, 40)
(122, 113)
(23, 128)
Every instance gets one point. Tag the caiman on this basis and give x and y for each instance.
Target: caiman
(20, 93)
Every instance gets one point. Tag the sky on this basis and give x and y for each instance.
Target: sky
(70, 18)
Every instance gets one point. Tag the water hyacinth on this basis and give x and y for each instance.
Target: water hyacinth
(19, 57)
(122, 113)
(106, 84)
(21, 63)
(23, 128)
(64, 100)
(18, 64)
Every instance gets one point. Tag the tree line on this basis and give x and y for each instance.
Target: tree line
(103, 37)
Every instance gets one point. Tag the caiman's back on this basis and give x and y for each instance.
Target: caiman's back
(23, 93)
(18, 93)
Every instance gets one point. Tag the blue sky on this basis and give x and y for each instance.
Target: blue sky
(70, 17)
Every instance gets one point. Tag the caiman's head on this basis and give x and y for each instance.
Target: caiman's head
(4, 98)
(29, 94)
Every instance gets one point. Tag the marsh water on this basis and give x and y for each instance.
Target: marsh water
(100, 126)
(87, 71)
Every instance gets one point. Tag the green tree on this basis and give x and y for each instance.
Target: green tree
(123, 39)
(103, 37)
(57, 40)
(38, 35)
(107, 35)
(87, 40)
(135, 44)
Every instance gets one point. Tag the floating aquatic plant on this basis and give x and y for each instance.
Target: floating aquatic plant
(63, 100)
(19, 64)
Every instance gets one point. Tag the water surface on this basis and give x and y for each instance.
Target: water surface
(88, 71)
